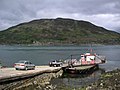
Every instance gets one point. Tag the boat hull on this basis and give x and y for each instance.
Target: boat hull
(86, 69)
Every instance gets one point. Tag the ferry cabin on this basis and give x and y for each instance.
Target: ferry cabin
(87, 59)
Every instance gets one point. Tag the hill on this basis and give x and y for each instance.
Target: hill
(58, 31)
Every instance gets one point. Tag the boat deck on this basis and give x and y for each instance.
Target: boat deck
(84, 67)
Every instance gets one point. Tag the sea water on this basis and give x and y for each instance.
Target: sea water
(42, 55)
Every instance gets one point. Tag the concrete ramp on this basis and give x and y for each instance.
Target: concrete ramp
(9, 74)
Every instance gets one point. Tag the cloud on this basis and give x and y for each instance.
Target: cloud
(104, 13)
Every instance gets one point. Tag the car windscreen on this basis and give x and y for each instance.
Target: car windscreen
(21, 62)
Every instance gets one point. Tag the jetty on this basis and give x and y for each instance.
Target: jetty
(10, 78)
(10, 74)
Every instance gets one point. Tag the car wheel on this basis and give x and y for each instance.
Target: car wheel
(50, 65)
(16, 68)
(33, 68)
(26, 68)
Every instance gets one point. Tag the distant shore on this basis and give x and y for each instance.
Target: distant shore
(56, 44)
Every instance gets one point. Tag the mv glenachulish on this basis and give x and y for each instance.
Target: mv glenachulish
(87, 62)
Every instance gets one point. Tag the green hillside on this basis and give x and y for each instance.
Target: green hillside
(58, 31)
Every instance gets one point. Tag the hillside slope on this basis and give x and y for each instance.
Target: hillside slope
(58, 31)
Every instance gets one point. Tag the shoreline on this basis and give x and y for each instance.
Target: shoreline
(108, 81)
(47, 45)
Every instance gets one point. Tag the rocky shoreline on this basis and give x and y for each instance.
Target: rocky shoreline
(108, 81)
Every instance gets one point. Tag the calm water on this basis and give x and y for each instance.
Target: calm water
(41, 55)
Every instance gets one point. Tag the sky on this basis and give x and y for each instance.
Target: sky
(104, 13)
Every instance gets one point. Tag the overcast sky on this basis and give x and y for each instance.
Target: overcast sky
(105, 13)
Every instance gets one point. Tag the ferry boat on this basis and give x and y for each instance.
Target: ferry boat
(87, 59)
(88, 62)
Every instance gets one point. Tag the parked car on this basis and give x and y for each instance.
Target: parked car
(55, 64)
(25, 65)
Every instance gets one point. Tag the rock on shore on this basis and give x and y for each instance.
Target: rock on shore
(108, 81)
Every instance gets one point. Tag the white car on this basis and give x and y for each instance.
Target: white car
(55, 64)
(25, 65)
